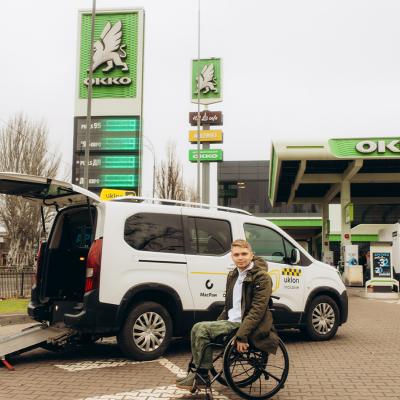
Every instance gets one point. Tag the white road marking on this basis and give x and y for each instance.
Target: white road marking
(157, 393)
(161, 392)
(86, 365)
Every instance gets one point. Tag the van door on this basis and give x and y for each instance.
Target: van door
(288, 280)
(44, 191)
(208, 254)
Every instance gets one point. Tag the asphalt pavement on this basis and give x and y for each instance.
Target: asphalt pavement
(361, 362)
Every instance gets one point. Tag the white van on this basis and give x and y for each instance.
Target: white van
(147, 272)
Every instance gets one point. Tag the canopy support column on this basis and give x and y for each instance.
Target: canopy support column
(325, 223)
(345, 198)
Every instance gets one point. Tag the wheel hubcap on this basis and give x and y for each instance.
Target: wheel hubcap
(149, 331)
(323, 318)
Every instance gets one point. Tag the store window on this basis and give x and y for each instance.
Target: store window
(209, 236)
(155, 232)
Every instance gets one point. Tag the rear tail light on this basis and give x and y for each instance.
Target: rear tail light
(93, 266)
(37, 264)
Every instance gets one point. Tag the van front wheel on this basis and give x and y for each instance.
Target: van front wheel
(146, 331)
(322, 319)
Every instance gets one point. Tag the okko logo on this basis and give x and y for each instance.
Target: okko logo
(367, 146)
(209, 285)
(205, 156)
(109, 49)
(207, 80)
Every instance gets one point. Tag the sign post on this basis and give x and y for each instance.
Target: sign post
(205, 88)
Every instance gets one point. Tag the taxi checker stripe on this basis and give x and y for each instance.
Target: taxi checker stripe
(291, 271)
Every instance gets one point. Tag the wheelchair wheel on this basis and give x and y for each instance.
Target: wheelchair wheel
(256, 374)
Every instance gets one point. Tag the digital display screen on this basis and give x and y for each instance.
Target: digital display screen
(114, 153)
(108, 134)
(111, 171)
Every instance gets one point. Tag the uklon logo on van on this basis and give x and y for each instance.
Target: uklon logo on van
(108, 194)
(290, 274)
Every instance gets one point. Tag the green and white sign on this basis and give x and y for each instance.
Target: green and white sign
(370, 147)
(114, 57)
(117, 80)
(206, 155)
(210, 81)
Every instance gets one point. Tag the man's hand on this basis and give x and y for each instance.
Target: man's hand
(241, 347)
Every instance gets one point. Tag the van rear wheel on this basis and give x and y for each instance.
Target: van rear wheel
(146, 331)
(322, 319)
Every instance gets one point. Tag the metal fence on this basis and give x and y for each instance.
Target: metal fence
(14, 284)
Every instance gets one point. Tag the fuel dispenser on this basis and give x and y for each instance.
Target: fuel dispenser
(353, 273)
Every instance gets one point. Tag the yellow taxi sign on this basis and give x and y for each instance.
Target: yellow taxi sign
(214, 135)
(108, 194)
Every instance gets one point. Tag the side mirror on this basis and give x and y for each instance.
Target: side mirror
(295, 257)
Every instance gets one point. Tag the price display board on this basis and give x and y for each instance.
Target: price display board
(114, 153)
(110, 171)
(381, 265)
(108, 134)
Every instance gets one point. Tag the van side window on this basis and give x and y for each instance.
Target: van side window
(154, 232)
(265, 243)
(209, 236)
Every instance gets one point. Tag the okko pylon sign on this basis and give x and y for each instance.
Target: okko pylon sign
(115, 148)
(210, 86)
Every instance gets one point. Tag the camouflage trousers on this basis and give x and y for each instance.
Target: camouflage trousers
(205, 332)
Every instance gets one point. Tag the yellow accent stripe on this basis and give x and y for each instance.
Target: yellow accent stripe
(208, 273)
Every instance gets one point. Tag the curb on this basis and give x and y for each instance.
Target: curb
(360, 292)
(13, 319)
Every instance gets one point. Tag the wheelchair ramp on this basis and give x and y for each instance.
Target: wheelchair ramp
(31, 338)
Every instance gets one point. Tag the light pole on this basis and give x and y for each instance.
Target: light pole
(149, 145)
(89, 102)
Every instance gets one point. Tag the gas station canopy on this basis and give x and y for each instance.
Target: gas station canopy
(335, 171)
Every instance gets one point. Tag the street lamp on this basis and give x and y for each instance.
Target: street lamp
(149, 145)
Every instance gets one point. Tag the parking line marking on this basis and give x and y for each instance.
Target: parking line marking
(164, 392)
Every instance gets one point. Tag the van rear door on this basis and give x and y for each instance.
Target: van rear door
(44, 191)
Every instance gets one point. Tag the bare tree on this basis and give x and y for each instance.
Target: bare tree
(169, 179)
(25, 149)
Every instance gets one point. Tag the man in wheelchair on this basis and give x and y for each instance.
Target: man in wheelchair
(248, 291)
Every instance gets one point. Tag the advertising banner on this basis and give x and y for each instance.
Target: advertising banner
(381, 265)
(214, 136)
(206, 155)
(349, 212)
(210, 81)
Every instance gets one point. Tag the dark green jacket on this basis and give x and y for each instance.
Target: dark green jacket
(257, 321)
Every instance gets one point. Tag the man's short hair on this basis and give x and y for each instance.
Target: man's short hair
(241, 243)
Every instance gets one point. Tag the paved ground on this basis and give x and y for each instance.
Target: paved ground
(361, 362)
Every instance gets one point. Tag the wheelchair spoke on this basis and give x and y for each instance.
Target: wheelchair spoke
(245, 372)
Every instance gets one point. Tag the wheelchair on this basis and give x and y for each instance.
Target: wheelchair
(252, 375)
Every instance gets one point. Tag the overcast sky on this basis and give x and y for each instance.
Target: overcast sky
(292, 69)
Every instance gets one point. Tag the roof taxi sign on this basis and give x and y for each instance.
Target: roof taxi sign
(109, 194)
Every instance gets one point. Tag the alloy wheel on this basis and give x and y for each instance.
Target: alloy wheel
(323, 318)
(149, 331)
